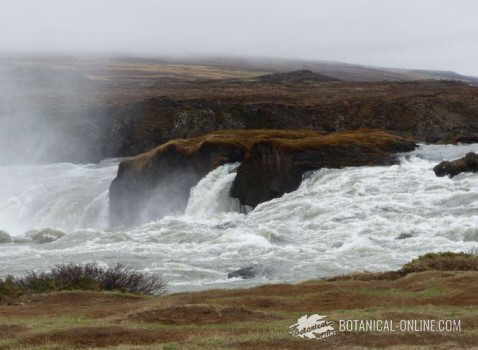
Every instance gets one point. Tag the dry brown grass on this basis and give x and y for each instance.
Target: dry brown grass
(102, 337)
(442, 262)
(199, 314)
(10, 330)
(255, 318)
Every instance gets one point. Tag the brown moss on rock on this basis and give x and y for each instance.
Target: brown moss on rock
(158, 182)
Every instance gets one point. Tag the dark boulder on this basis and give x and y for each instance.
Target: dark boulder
(404, 236)
(468, 163)
(244, 273)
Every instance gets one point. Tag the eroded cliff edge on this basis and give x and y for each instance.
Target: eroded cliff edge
(158, 182)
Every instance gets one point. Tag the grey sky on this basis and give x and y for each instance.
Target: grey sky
(433, 34)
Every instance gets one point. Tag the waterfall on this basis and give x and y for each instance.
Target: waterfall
(338, 221)
(211, 195)
(63, 195)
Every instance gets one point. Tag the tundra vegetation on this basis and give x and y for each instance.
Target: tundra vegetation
(81, 313)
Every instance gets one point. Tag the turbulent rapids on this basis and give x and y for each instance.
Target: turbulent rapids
(338, 221)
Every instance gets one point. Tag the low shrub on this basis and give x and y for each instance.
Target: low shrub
(9, 289)
(84, 277)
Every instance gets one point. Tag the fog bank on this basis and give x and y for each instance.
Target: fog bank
(431, 34)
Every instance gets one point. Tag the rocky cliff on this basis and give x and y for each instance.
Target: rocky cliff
(93, 111)
(158, 182)
(433, 111)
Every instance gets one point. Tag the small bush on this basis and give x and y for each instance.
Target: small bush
(84, 277)
(446, 261)
(63, 277)
(123, 278)
(9, 289)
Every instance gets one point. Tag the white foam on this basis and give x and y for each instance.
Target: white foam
(338, 221)
(211, 195)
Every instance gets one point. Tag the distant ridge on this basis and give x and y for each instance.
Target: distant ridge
(228, 67)
(298, 76)
(334, 69)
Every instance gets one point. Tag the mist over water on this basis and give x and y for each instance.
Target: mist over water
(44, 116)
(338, 221)
(63, 195)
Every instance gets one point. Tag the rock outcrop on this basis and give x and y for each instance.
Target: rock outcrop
(431, 112)
(158, 182)
(109, 110)
(468, 163)
(46, 235)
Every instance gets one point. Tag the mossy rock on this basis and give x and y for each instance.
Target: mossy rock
(45, 236)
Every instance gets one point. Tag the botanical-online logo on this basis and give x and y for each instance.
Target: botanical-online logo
(318, 327)
(313, 327)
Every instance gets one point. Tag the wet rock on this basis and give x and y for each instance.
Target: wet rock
(468, 163)
(5, 237)
(404, 236)
(45, 236)
(273, 162)
(275, 167)
(244, 273)
(225, 225)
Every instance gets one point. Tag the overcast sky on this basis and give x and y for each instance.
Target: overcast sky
(432, 34)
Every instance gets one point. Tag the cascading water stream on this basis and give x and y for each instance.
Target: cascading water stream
(211, 195)
(338, 221)
(65, 196)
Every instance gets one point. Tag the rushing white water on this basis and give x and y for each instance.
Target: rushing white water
(211, 195)
(338, 221)
(63, 195)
